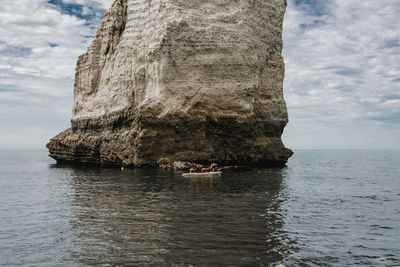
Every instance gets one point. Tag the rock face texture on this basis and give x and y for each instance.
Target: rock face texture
(177, 80)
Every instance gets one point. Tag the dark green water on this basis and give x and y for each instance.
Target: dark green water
(327, 208)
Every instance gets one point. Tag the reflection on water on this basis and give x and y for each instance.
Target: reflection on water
(327, 208)
(160, 218)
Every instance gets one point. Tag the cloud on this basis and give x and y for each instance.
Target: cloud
(39, 44)
(105, 4)
(342, 73)
(341, 66)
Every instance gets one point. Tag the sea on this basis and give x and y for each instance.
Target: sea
(325, 208)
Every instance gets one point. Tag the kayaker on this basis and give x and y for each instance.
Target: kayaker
(209, 169)
(193, 170)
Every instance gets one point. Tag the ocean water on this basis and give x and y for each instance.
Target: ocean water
(326, 208)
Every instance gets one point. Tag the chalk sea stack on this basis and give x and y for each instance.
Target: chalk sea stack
(176, 80)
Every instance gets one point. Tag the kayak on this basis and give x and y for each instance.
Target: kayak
(202, 174)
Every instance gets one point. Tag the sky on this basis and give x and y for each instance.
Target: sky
(342, 83)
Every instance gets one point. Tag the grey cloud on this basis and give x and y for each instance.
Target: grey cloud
(344, 70)
(392, 43)
(349, 72)
(339, 73)
(15, 51)
(391, 97)
(384, 117)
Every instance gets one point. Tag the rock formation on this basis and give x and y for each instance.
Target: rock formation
(177, 80)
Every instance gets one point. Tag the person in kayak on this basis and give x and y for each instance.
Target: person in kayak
(209, 169)
(193, 170)
(202, 170)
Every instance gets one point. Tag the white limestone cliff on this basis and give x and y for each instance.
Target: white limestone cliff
(178, 80)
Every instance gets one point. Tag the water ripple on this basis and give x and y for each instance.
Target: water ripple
(326, 208)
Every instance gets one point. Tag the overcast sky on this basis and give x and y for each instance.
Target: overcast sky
(342, 70)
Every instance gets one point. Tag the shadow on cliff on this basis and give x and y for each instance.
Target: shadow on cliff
(155, 217)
